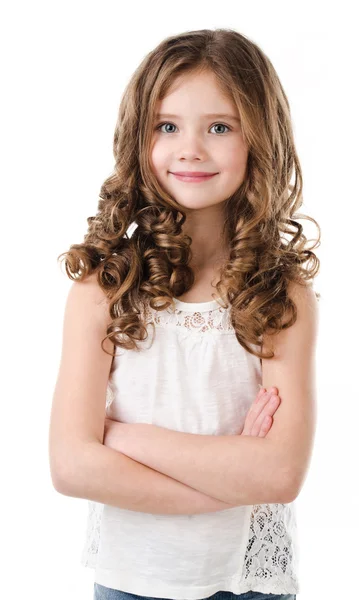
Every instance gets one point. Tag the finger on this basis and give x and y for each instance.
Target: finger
(255, 410)
(261, 411)
(266, 425)
(253, 415)
(261, 392)
(257, 406)
(271, 390)
(267, 412)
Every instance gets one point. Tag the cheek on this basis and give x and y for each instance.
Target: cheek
(158, 158)
(236, 158)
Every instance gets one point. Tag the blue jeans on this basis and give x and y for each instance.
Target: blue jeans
(104, 593)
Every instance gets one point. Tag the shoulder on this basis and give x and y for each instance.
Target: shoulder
(303, 294)
(306, 322)
(307, 310)
(88, 295)
(91, 284)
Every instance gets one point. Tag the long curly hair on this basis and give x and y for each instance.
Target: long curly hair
(153, 264)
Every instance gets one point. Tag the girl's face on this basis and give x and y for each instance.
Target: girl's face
(185, 138)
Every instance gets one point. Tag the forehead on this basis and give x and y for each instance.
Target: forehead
(196, 93)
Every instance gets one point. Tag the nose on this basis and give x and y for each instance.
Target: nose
(191, 146)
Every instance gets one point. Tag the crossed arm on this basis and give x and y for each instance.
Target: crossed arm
(235, 469)
(242, 469)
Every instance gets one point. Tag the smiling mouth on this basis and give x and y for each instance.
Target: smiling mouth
(194, 178)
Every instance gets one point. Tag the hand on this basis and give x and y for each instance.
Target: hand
(259, 418)
(257, 424)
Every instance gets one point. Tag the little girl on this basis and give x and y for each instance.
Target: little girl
(204, 155)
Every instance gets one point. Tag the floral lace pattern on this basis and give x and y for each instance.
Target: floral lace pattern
(216, 319)
(270, 561)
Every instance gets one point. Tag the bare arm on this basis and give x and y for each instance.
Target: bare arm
(105, 475)
(80, 464)
(241, 469)
(236, 469)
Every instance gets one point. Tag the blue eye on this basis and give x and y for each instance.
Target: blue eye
(168, 123)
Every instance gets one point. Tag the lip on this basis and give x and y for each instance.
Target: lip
(192, 173)
(193, 177)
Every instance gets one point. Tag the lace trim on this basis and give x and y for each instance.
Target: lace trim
(90, 550)
(217, 319)
(270, 561)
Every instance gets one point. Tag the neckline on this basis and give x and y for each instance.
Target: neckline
(194, 306)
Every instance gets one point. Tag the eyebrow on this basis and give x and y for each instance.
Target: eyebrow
(208, 115)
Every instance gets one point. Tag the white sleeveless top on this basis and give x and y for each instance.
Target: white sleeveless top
(191, 375)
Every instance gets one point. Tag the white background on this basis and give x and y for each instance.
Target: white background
(64, 68)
